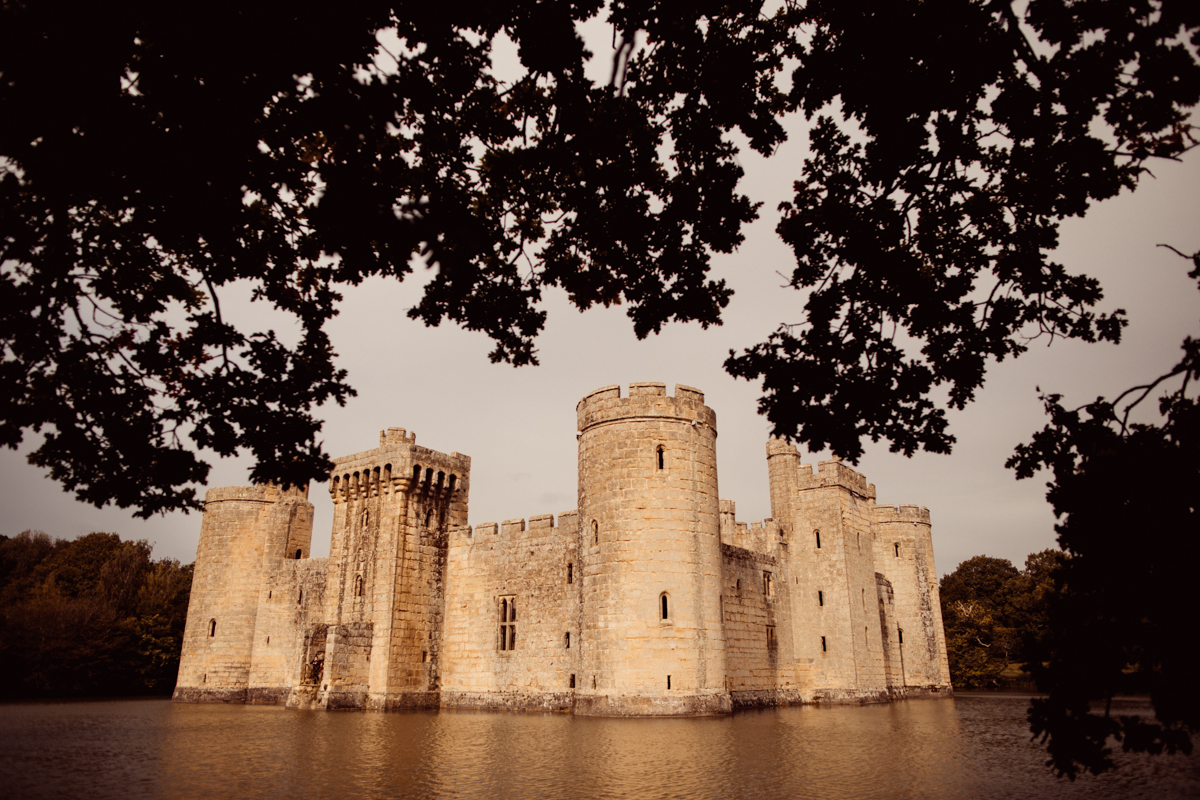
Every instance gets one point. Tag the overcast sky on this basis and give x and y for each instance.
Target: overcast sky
(518, 425)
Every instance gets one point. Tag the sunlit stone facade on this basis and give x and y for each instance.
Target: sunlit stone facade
(649, 599)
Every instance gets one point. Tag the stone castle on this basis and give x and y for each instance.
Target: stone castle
(649, 599)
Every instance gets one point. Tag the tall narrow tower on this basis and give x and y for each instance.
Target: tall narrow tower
(652, 638)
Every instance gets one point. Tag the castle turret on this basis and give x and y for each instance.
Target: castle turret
(393, 507)
(652, 641)
(904, 554)
(241, 526)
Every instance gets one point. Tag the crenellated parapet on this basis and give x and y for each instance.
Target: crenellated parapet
(398, 465)
(260, 493)
(516, 529)
(760, 537)
(901, 513)
(835, 473)
(645, 400)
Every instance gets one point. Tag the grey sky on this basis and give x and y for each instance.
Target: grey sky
(518, 425)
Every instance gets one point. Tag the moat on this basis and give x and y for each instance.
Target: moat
(974, 746)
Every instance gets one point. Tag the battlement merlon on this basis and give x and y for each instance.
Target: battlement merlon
(649, 400)
(835, 473)
(903, 513)
(398, 464)
(538, 525)
(260, 493)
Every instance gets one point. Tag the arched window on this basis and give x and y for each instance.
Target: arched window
(212, 627)
(416, 478)
(298, 554)
(358, 586)
(595, 532)
(428, 516)
(659, 454)
(568, 640)
(665, 606)
(818, 535)
(897, 546)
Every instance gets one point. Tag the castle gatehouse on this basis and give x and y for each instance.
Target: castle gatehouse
(649, 599)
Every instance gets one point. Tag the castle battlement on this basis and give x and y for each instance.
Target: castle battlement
(648, 599)
(648, 400)
(262, 493)
(397, 465)
(901, 513)
(538, 524)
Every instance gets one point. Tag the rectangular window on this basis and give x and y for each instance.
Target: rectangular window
(507, 606)
(823, 649)
(771, 637)
(820, 598)
(768, 585)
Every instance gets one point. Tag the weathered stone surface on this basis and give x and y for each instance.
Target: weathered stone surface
(650, 599)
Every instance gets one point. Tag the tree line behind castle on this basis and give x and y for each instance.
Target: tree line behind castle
(98, 616)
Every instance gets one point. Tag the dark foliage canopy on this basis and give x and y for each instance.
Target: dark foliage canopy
(153, 155)
(951, 139)
(1123, 614)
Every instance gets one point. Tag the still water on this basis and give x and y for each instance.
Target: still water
(974, 746)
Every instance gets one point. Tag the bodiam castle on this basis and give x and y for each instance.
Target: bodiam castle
(649, 599)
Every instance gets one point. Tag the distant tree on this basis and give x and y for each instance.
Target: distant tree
(93, 616)
(992, 613)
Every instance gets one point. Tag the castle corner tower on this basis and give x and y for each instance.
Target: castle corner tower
(652, 639)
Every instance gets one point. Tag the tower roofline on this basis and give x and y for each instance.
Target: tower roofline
(648, 400)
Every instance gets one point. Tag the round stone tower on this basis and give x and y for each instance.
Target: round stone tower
(242, 526)
(653, 642)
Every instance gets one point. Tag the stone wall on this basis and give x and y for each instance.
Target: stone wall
(651, 599)
(290, 602)
(529, 574)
